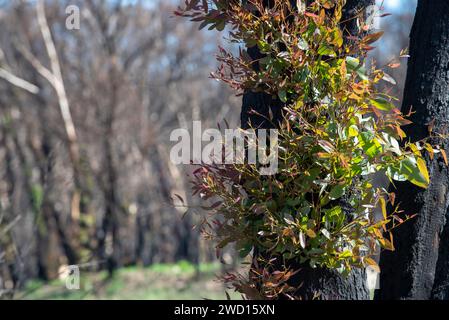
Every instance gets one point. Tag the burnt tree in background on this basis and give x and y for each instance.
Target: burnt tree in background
(129, 81)
(418, 269)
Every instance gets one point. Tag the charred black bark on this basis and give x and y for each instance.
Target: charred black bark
(418, 269)
(264, 111)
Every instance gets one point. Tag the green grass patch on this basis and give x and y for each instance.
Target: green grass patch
(160, 281)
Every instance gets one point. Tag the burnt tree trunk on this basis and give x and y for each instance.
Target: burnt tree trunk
(309, 283)
(418, 269)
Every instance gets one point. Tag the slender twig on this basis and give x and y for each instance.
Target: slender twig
(18, 82)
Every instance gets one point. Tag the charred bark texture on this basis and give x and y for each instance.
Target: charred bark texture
(263, 111)
(418, 269)
(326, 284)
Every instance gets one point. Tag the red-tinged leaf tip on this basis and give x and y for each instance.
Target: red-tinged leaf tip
(443, 153)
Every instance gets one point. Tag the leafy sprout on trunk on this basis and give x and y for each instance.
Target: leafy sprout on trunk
(337, 131)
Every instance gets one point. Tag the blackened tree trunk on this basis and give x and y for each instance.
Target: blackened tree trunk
(419, 268)
(309, 283)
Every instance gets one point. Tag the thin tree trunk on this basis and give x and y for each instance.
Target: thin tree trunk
(309, 283)
(418, 269)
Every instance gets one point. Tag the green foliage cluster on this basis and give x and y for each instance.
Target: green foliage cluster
(338, 131)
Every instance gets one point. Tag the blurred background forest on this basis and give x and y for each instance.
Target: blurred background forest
(85, 121)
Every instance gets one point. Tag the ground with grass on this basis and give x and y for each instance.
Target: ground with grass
(163, 282)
